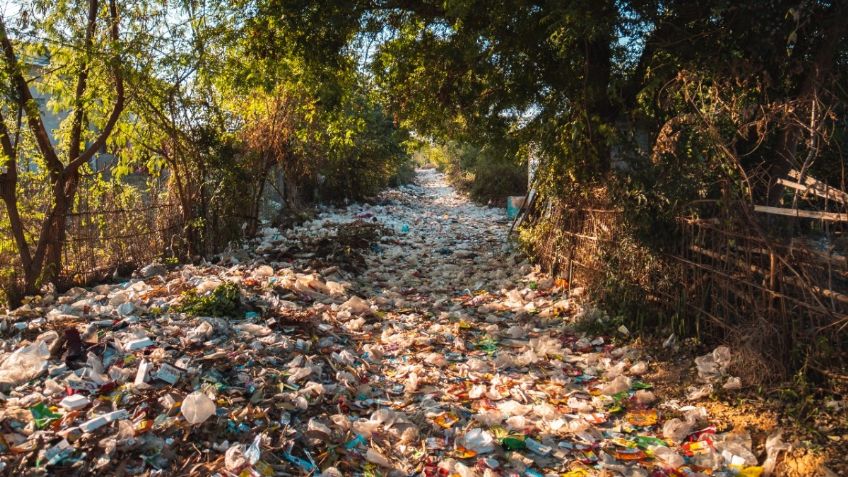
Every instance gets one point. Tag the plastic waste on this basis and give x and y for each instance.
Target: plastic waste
(97, 422)
(43, 416)
(694, 393)
(713, 365)
(197, 408)
(357, 306)
(234, 458)
(377, 458)
(774, 447)
(154, 269)
(434, 350)
(732, 384)
(537, 447)
(138, 344)
(617, 385)
(668, 457)
(479, 440)
(74, 402)
(676, 430)
(25, 363)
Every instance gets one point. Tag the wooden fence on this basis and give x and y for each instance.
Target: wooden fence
(731, 274)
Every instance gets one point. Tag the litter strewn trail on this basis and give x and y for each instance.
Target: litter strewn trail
(403, 337)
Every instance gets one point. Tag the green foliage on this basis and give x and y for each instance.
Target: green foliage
(200, 86)
(224, 300)
(495, 180)
(486, 173)
(405, 174)
(363, 150)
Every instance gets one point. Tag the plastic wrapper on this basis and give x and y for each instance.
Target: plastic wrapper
(197, 408)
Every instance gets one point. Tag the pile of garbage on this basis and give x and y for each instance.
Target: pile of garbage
(448, 355)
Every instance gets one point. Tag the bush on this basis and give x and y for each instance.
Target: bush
(494, 181)
(405, 174)
(222, 301)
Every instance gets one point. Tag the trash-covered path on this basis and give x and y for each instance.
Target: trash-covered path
(403, 337)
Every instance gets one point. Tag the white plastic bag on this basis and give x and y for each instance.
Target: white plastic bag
(25, 363)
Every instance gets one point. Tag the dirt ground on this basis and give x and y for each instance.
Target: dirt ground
(819, 436)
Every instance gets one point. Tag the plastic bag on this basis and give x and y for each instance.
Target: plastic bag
(774, 446)
(479, 441)
(197, 408)
(376, 458)
(357, 306)
(668, 457)
(25, 363)
(676, 430)
(713, 365)
(617, 385)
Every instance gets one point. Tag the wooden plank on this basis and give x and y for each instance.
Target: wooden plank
(816, 187)
(825, 194)
(806, 214)
(809, 254)
(789, 280)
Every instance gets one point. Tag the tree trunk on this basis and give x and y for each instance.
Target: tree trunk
(65, 194)
(15, 291)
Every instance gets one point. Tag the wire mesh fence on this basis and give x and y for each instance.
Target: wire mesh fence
(101, 242)
(110, 232)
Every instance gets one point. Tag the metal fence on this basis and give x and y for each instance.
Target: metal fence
(103, 240)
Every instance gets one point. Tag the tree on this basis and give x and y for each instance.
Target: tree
(41, 261)
(580, 78)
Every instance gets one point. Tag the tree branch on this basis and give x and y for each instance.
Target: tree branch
(82, 79)
(118, 108)
(30, 106)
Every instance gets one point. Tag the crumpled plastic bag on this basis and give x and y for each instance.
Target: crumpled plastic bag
(713, 365)
(668, 456)
(197, 408)
(479, 441)
(234, 459)
(676, 430)
(377, 458)
(733, 383)
(617, 385)
(25, 363)
(774, 446)
(357, 306)
(694, 393)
